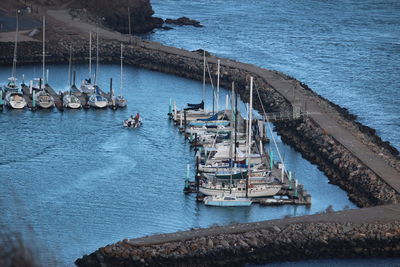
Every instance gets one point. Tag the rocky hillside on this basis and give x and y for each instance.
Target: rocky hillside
(114, 14)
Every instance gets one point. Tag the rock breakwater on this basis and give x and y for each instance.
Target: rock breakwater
(291, 242)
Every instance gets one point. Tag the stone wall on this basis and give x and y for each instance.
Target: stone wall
(285, 243)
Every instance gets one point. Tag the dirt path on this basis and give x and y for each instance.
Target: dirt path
(327, 122)
(365, 215)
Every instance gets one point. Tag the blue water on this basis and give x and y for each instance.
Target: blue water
(348, 51)
(72, 182)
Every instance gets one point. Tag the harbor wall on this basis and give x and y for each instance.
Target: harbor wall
(309, 237)
(342, 167)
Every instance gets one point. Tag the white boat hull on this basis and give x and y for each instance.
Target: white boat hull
(253, 192)
(98, 101)
(15, 101)
(71, 102)
(238, 202)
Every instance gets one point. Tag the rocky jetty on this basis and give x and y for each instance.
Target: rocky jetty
(184, 21)
(291, 242)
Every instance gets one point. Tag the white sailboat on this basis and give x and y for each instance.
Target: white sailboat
(15, 100)
(86, 85)
(42, 98)
(13, 97)
(69, 99)
(96, 100)
(120, 99)
(227, 200)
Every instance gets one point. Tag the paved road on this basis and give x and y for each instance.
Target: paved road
(366, 215)
(390, 175)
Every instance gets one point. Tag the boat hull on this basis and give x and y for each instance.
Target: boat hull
(15, 101)
(254, 192)
(236, 203)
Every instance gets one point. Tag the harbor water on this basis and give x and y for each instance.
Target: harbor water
(76, 180)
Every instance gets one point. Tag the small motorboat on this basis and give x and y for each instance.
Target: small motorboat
(227, 200)
(133, 123)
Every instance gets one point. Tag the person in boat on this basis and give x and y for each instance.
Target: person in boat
(137, 118)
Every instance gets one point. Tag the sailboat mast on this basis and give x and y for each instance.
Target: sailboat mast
(44, 48)
(69, 67)
(90, 55)
(218, 67)
(249, 135)
(231, 162)
(97, 55)
(236, 119)
(14, 67)
(122, 57)
(204, 74)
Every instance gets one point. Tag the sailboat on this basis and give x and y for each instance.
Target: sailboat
(120, 99)
(86, 85)
(70, 100)
(96, 100)
(42, 98)
(227, 200)
(253, 184)
(13, 97)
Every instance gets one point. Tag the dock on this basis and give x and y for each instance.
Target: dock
(291, 192)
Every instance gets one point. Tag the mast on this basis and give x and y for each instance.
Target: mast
(218, 83)
(14, 67)
(97, 55)
(231, 162)
(121, 83)
(204, 74)
(236, 117)
(90, 56)
(69, 67)
(249, 135)
(44, 49)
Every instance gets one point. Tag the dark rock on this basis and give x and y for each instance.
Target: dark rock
(182, 21)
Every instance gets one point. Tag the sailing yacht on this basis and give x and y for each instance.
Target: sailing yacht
(120, 99)
(96, 100)
(13, 97)
(69, 99)
(42, 98)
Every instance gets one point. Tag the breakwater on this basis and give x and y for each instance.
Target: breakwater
(352, 233)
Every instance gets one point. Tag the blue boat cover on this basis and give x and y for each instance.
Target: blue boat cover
(212, 118)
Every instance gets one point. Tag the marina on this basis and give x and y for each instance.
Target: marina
(232, 167)
(84, 179)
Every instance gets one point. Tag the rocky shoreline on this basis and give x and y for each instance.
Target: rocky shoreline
(292, 242)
